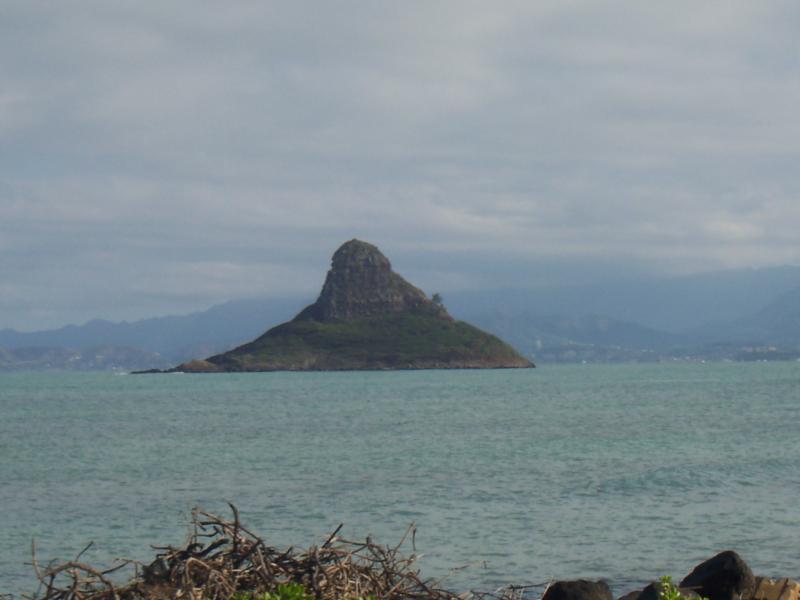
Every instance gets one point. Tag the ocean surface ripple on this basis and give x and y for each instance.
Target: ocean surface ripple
(619, 472)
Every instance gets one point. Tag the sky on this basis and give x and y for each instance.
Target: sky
(160, 157)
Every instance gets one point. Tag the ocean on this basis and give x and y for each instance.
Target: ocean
(621, 472)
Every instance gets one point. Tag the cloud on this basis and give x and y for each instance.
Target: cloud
(150, 147)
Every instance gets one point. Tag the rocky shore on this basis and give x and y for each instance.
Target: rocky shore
(725, 576)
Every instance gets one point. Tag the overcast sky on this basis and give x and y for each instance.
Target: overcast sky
(158, 157)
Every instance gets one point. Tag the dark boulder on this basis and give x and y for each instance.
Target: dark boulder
(578, 590)
(723, 577)
(652, 592)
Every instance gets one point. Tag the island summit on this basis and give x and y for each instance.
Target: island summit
(367, 317)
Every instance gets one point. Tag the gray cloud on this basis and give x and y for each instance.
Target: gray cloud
(162, 157)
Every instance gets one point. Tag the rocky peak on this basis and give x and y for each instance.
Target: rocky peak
(360, 284)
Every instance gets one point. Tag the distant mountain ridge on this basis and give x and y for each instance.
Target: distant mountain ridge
(70, 359)
(778, 323)
(175, 338)
(736, 310)
(532, 332)
(678, 305)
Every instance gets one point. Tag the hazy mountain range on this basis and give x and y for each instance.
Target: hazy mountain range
(739, 315)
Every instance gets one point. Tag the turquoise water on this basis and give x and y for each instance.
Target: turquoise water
(622, 472)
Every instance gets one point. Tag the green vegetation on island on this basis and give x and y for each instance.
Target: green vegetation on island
(413, 340)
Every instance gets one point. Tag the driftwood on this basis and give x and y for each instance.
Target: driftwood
(222, 559)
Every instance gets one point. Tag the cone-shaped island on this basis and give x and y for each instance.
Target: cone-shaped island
(367, 317)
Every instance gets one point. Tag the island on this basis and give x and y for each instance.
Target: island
(367, 317)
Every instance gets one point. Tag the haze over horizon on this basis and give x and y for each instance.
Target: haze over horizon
(158, 159)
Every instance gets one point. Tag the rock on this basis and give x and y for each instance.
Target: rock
(724, 577)
(360, 284)
(776, 589)
(580, 589)
(652, 591)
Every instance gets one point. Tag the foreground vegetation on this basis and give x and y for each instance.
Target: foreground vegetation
(223, 560)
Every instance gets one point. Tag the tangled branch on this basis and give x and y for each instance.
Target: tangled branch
(223, 559)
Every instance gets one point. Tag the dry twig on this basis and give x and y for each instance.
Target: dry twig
(222, 558)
